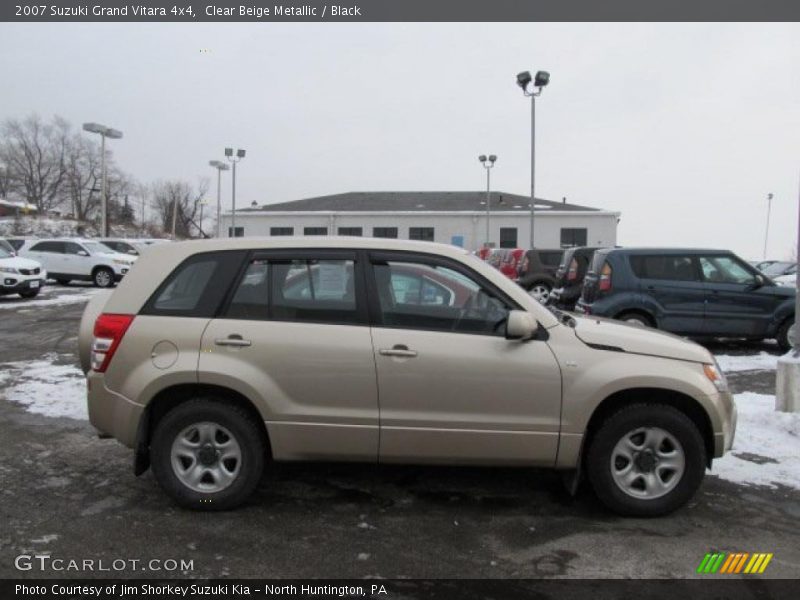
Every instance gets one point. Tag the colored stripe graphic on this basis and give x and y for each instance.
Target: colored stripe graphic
(718, 562)
(734, 562)
(727, 565)
(764, 564)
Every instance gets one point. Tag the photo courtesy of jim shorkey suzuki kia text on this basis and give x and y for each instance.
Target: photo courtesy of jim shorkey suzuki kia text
(409, 299)
(210, 10)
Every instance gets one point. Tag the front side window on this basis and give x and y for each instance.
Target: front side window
(674, 268)
(436, 297)
(73, 248)
(725, 269)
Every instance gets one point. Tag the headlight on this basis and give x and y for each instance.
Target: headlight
(9, 270)
(124, 263)
(716, 376)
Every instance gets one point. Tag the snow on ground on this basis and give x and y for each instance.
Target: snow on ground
(762, 361)
(766, 449)
(45, 388)
(50, 296)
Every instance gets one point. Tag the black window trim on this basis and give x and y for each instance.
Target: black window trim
(287, 254)
(434, 260)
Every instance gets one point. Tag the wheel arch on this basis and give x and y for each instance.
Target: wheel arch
(642, 312)
(646, 395)
(175, 395)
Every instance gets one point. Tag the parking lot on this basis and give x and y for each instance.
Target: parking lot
(70, 495)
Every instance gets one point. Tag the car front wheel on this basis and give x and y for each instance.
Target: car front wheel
(29, 294)
(103, 277)
(785, 335)
(208, 454)
(646, 460)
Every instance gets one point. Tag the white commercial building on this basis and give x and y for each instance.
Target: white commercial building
(457, 218)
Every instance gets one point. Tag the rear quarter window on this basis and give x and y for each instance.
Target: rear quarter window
(197, 287)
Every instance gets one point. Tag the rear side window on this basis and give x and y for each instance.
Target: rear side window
(551, 259)
(301, 290)
(54, 247)
(669, 267)
(196, 288)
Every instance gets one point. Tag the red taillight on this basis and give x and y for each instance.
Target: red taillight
(572, 274)
(108, 332)
(604, 284)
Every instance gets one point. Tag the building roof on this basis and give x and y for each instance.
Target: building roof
(414, 202)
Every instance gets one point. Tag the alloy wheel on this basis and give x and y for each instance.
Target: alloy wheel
(647, 463)
(206, 457)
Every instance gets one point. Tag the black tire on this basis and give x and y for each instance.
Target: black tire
(539, 290)
(29, 293)
(635, 318)
(63, 281)
(615, 428)
(103, 277)
(245, 430)
(784, 343)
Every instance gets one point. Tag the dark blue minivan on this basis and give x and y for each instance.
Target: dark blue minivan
(693, 292)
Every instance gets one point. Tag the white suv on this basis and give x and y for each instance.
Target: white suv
(20, 275)
(84, 260)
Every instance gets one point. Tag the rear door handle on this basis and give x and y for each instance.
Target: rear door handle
(398, 350)
(233, 340)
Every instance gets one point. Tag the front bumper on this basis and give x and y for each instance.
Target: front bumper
(110, 413)
(12, 283)
(723, 440)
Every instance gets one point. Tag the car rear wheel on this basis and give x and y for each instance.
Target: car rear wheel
(646, 460)
(635, 319)
(539, 291)
(103, 277)
(29, 293)
(208, 454)
(785, 337)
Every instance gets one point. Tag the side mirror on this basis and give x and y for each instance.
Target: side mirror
(759, 281)
(83, 253)
(521, 325)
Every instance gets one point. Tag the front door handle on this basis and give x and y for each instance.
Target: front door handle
(233, 340)
(398, 350)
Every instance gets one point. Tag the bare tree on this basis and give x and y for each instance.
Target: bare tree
(82, 177)
(34, 154)
(179, 200)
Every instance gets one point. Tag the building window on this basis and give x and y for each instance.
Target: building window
(384, 232)
(281, 230)
(235, 231)
(315, 231)
(573, 237)
(508, 237)
(354, 231)
(424, 234)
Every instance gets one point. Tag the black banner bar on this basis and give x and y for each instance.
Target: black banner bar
(365, 11)
(707, 588)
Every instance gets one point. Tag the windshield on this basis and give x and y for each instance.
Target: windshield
(775, 269)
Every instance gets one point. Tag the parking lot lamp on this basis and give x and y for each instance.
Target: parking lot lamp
(488, 163)
(766, 233)
(524, 81)
(220, 167)
(233, 160)
(104, 132)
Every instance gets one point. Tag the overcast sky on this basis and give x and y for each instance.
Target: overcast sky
(684, 129)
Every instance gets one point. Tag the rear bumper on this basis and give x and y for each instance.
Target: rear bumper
(110, 413)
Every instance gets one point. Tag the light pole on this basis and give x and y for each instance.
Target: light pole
(488, 163)
(541, 79)
(203, 203)
(766, 233)
(230, 157)
(105, 132)
(220, 167)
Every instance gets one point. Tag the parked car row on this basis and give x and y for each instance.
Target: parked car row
(26, 263)
(698, 293)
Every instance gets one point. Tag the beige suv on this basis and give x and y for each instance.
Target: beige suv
(213, 357)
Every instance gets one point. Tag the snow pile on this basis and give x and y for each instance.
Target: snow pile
(45, 388)
(46, 227)
(753, 362)
(50, 296)
(766, 449)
